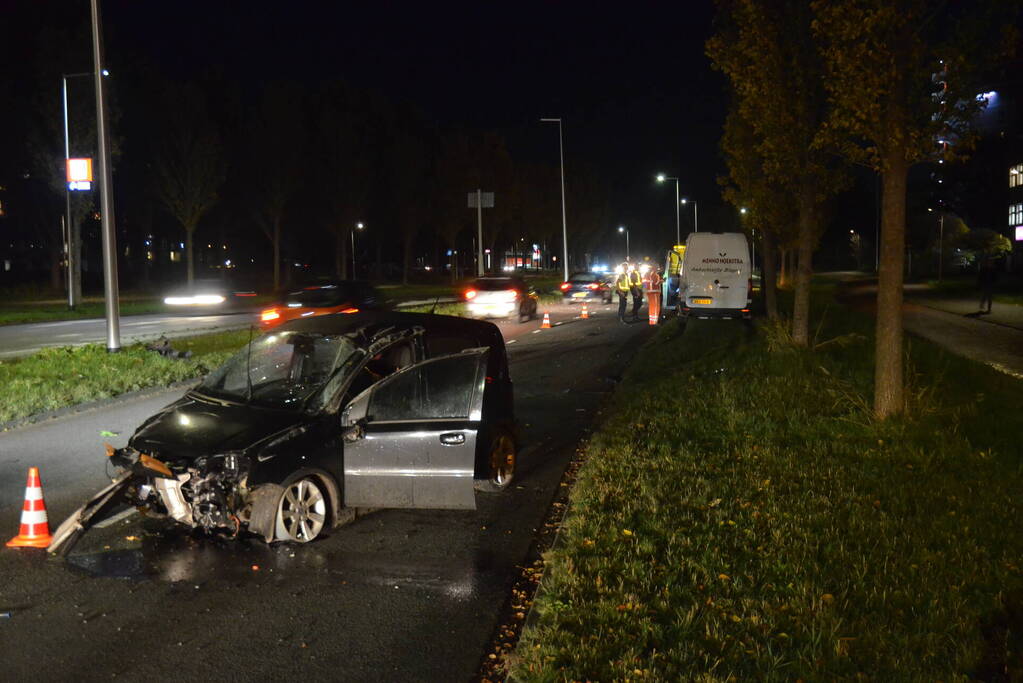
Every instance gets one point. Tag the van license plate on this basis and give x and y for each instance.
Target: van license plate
(702, 300)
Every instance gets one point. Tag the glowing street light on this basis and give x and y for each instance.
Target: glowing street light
(621, 229)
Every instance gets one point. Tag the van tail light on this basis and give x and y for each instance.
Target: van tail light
(470, 294)
(564, 286)
(593, 285)
(349, 310)
(269, 314)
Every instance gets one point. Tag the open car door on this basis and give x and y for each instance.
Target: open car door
(410, 439)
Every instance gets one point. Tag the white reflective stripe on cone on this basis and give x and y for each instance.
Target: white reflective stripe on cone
(33, 517)
(33, 493)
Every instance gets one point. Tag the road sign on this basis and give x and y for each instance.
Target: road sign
(487, 199)
(79, 174)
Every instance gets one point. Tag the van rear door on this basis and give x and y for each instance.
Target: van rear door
(716, 271)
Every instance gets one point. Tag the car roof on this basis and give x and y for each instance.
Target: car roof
(371, 322)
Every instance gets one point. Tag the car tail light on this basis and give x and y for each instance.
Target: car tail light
(470, 294)
(593, 285)
(511, 294)
(350, 310)
(268, 315)
(564, 286)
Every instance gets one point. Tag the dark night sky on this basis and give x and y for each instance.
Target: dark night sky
(636, 93)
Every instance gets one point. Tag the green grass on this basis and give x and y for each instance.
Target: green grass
(61, 377)
(742, 517)
(1007, 291)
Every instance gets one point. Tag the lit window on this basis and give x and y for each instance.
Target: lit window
(1016, 175)
(1016, 214)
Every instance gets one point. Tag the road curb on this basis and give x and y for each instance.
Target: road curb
(78, 408)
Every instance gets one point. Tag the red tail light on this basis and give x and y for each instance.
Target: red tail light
(270, 314)
(513, 292)
(564, 286)
(470, 294)
(350, 310)
(593, 285)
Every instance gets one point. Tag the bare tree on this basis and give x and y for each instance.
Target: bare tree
(276, 142)
(189, 166)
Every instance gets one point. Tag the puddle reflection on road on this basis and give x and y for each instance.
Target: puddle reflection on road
(175, 555)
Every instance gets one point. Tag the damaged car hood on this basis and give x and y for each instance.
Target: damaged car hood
(190, 428)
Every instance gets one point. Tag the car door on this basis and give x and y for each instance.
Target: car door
(410, 439)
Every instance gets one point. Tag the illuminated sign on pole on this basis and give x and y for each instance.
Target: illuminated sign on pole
(1019, 233)
(79, 174)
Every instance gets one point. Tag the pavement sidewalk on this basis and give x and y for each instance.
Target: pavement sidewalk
(1007, 315)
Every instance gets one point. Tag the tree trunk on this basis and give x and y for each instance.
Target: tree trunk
(277, 252)
(888, 388)
(783, 256)
(768, 278)
(189, 263)
(804, 266)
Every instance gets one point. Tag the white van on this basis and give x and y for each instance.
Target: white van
(715, 280)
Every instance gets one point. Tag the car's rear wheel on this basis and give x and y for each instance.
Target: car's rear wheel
(302, 511)
(501, 461)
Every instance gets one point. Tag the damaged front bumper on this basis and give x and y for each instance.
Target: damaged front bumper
(210, 493)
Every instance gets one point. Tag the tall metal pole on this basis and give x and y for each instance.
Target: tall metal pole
(479, 224)
(71, 300)
(678, 229)
(696, 218)
(941, 241)
(106, 193)
(352, 234)
(564, 223)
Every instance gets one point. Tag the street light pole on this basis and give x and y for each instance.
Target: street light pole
(106, 192)
(622, 228)
(358, 226)
(564, 223)
(941, 242)
(678, 230)
(696, 217)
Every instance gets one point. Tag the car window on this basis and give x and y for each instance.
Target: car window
(442, 345)
(495, 284)
(441, 389)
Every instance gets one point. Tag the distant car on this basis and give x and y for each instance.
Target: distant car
(586, 286)
(208, 294)
(340, 296)
(320, 418)
(501, 297)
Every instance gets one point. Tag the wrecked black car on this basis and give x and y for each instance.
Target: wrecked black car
(317, 419)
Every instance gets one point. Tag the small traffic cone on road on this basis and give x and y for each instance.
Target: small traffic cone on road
(653, 318)
(585, 313)
(546, 324)
(35, 527)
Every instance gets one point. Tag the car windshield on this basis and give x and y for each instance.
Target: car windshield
(495, 284)
(584, 277)
(282, 370)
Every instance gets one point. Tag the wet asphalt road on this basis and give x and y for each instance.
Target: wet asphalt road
(396, 595)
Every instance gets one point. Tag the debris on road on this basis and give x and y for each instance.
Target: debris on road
(164, 348)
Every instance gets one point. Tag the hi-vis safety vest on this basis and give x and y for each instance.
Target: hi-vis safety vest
(675, 260)
(623, 283)
(635, 279)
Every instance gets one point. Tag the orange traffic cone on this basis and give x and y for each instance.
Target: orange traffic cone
(585, 313)
(35, 528)
(546, 324)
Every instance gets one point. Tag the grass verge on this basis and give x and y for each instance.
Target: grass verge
(60, 377)
(742, 517)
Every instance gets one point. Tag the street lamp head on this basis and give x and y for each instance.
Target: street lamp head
(743, 210)
(683, 201)
(359, 226)
(621, 228)
(550, 120)
(105, 72)
(661, 177)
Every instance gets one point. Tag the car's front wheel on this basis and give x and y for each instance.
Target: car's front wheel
(500, 462)
(302, 511)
